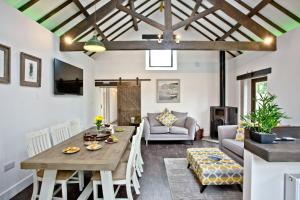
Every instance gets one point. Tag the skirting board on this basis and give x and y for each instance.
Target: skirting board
(16, 188)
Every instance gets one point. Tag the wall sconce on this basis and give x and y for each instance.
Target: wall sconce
(177, 38)
(160, 39)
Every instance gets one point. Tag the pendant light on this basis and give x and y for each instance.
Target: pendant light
(94, 44)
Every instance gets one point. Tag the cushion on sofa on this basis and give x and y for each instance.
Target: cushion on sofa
(179, 130)
(152, 119)
(159, 129)
(235, 146)
(181, 118)
(166, 119)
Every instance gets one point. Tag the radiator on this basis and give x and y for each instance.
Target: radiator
(292, 187)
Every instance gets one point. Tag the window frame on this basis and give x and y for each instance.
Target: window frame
(253, 90)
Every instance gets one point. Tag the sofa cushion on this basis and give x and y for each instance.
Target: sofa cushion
(152, 119)
(236, 147)
(181, 118)
(159, 129)
(179, 130)
(166, 119)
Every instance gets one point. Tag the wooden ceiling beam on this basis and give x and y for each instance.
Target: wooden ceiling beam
(130, 27)
(206, 19)
(195, 17)
(139, 16)
(168, 32)
(89, 21)
(27, 5)
(54, 11)
(134, 21)
(268, 21)
(253, 12)
(286, 11)
(86, 14)
(200, 32)
(243, 19)
(183, 45)
(195, 10)
(73, 16)
(229, 24)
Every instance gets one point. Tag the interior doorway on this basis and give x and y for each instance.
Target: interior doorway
(108, 104)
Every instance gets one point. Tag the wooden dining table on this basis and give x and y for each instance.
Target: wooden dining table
(104, 160)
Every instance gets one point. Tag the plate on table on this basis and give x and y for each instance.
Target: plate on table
(109, 142)
(87, 143)
(119, 129)
(70, 150)
(94, 147)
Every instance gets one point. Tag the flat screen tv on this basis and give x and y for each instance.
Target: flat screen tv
(68, 79)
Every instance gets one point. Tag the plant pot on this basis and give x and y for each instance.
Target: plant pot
(263, 138)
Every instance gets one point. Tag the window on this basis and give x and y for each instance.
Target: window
(161, 60)
(258, 86)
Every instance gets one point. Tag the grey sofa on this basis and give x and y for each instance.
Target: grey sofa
(228, 144)
(183, 129)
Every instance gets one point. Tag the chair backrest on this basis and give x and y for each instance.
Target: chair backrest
(75, 127)
(130, 169)
(142, 126)
(37, 141)
(59, 133)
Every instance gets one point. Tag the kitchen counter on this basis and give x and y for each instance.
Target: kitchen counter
(283, 151)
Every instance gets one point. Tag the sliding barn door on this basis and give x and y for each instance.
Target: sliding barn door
(129, 102)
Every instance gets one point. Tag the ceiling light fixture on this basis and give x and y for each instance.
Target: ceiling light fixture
(268, 40)
(94, 44)
(68, 40)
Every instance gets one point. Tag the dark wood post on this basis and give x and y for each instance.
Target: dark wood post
(222, 79)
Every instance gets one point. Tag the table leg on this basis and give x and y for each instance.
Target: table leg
(48, 183)
(107, 185)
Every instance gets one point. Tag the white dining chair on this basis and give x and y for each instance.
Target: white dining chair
(60, 133)
(75, 127)
(37, 142)
(139, 161)
(124, 174)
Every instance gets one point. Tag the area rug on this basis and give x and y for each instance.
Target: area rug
(184, 185)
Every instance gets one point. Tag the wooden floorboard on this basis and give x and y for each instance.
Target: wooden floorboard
(154, 183)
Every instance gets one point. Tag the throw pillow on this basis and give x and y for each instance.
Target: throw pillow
(153, 119)
(240, 136)
(166, 119)
(181, 118)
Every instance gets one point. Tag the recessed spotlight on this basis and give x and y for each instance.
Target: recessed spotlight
(268, 40)
(68, 40)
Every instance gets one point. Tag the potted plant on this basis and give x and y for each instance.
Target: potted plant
(261, 122)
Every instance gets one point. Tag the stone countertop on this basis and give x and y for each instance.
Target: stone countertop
(283, 151)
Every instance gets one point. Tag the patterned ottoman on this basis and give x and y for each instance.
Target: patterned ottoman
(212, 172)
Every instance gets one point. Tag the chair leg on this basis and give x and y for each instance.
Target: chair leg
(64, 191)
(35, 188)
(95, 190)
(128, 190)
(135, 184)
(138, 170)
(146, 143)
(81, 180)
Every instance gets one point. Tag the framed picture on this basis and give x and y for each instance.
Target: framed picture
(30, 70)
(168, 91)
(4, 64)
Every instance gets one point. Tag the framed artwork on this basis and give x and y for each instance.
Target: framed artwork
(4, 64)
(30, 70)
(168, 91)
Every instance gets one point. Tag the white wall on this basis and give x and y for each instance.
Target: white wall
(199, 80)
(24, 109)
(284, 79)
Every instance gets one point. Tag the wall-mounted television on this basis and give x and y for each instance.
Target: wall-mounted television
(68, 79)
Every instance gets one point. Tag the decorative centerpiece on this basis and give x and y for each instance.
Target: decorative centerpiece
(98, 122)
(261, 122)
